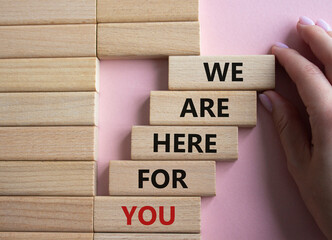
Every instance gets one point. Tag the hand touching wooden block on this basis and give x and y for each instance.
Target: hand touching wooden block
(48, 143)
(130, 40)
(203, 108)
(147, 214)
(48, 178)
(46, 214)
(184, 143)
(146, 10)
(40, 41)
(49, 75)
(165, 178)
(57, 108)
(222, 72)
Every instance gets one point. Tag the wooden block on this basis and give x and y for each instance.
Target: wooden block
(144, 236)
(168, 178)
(147, 214)
(47, 178)
(51, 108)
(203, 108)
(146, 11)
(222, 72)
(45, 236)
(46, 214)
(185, 143)
(78, 40)
(130, 40)
(18, 12)
(49, 74)
(48, 143)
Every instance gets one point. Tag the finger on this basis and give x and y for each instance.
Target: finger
(321, 23)
(319, 41)
(312, 85)
(293, 135)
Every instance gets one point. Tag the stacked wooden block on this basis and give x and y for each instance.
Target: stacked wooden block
(48, 114)
(194, 125)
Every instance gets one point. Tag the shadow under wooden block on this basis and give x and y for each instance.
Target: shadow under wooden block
(252, 72)
(234, 108)
(144, 236)
(147, 214)
(40, 41)
(146, 11)
(142, 40)
(48, 143)
(49, 74)
(45, 236)
(43, 178)
(48, 108)
(167, 178)
(184, 143)
(46, 214)
(29, 12)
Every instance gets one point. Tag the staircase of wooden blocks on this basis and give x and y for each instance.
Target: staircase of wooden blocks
(48, 107)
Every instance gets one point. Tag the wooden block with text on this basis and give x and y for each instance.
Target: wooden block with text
(46, 214)
(167, 178)
(144, 236)
(252, 72)
(18, 12)
(45, 236)
(184, 143)
(236, 108)
(146, 10)
(40, 41)
(48, 108)
(49, 75)
(48, 143)
(147, 214)
(43, 178)
(158, 39)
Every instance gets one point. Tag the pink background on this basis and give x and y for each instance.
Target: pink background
(256, 196)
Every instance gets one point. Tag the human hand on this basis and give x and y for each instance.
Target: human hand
(309, 159)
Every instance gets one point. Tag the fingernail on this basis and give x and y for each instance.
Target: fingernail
(281, 45)
(321, 23)
(306, 21)
(266, 102)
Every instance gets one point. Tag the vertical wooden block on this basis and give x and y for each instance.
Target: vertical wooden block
(40, 41)
(175, 178)
(46, 214)
(57, 108)
(222, 72)
(44, 236)
(49, 74)
(147, 11)
(121, 40)
(203, 108)
(48, 143)
(18, 12)
(44, 178)
(147, 214)
(184, 143)
(145, 236)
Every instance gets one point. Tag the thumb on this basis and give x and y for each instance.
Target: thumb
(293, 135)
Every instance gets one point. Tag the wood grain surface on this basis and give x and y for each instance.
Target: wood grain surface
(216, 143)
(142, 40)
(46, 214)
(45, 236)
(48, 143)
(49, 75)
(144, 236)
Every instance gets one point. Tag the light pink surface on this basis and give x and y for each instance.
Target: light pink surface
(256, 197)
